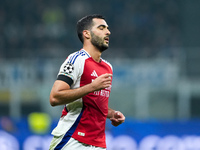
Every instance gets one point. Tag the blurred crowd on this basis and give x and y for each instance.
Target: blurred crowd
(47, 28)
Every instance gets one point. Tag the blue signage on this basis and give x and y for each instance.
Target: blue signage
(132, 135)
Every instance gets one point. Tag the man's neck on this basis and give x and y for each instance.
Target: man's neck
(94, 52)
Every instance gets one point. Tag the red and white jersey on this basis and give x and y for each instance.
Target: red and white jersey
(85, 118)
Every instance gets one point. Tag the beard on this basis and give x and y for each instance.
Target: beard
(98, 42)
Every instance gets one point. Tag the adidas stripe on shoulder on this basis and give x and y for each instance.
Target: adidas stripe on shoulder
(75, 55)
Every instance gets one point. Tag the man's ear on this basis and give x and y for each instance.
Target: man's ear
(86, 34)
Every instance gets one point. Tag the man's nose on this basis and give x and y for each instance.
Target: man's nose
(108, 32)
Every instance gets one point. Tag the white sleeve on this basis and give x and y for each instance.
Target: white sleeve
(71, 68)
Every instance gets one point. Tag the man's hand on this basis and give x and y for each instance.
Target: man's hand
(102, 82)
(117, 119)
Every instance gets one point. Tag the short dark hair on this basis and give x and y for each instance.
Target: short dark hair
(86, 23)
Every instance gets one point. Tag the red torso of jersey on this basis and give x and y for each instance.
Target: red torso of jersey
(90, 127)
(92, 123)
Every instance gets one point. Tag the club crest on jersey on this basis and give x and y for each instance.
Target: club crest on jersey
(68, 68)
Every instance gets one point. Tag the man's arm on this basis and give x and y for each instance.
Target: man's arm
(62, 94)
(116, 117)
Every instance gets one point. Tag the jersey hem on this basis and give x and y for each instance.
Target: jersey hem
(86, 142)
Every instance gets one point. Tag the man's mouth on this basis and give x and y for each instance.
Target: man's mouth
(106, 39)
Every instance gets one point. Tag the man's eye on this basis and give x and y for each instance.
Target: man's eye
(101, 28)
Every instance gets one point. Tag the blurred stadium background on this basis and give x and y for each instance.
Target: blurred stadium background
(154, 50)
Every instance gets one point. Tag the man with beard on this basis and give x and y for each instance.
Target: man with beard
(83, 86)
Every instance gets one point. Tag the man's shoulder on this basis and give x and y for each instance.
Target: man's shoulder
(77, 56)
(106, 62)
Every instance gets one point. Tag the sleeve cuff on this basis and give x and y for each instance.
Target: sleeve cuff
(66, 79)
